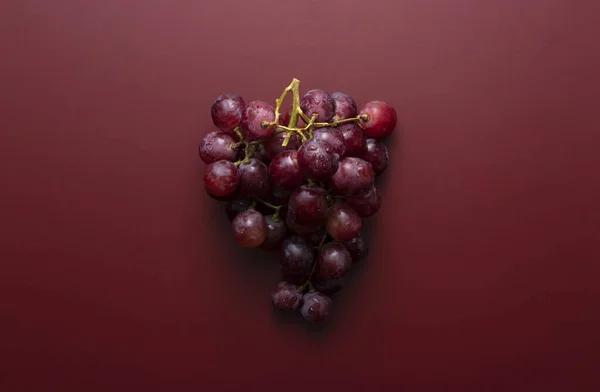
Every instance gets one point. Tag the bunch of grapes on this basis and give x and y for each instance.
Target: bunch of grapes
(299, 182)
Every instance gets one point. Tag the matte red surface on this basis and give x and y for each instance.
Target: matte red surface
(119, 274)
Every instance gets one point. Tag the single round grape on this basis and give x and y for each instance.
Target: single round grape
(273, 144)
(276, 233)
(286, 297)
(366, 204)
(316, 306)
(354, 175)
(308, 205)
(318, 102)
(381, 119)
(317, 160)
(226, 111)
(285, 171)
(221, 178)
(376, 153)
(355, 138)
(234, 207)
(343, 223)
(297, 260)
(334, 261)
(303, 231)
(253, 117)
(216, 146)
(254, 178)
(345, 106)
(249, 229)
(332, 137)
(358, 248)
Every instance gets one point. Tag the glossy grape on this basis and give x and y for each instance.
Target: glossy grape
(234, 207)
(353, 176)
(221, 178)
(381, 119)
(376, 153)
(355, 139)
(334, 261)
(254, 178)
(253, 117)
(226, 111)
(366, 204)
(273, 144)
(285, 171)
(343, 223)
(297, 260)
(318, 102)
(332, 137)
(316, 307)
(308, 205)
(216, 146)
(345, 106)
(249, 229)
(286, 297)
(276, 233)
(317, 160)
(358, 248)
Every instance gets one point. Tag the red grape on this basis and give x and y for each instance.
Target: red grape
(343, 223)
(276, 233)
(317, 160)
(221, 178)
(381, 119)
(355, 139)
(254, 178)
(216, 146)
(253, 117)
(226, 111)
(316, 307)
(290, 221)
(318, 102)
(285, 172)
(377, 155)
(273, 144)
(366, 204)
(334, 261)
(297, 260)
(345, 106)
(308, 205)
(249, 229)
(286, 297)
(358, 248)
(354, 175)
(332, 137)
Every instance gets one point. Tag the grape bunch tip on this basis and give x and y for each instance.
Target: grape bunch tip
(300, 181)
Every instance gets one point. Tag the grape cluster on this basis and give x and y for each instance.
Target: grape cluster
(299, 182)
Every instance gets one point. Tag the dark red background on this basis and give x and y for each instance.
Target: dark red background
(119, 274)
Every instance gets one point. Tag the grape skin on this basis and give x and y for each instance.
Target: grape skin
(354, 175)
(226, 111)
(308, 205)
(297, 260)
(345, 106)
(253, 117)
(366, 204)
(316, 307)
(317, 160)
(381, 119)
(376, 153)
(334, 261)
(285, 171)
(355, 139)
(286, 297)
(221, 178)
(318, 102)
(276, 233)
(254, 178)
(249, 229)
(333, 138)
(216, 146)
(343, 223)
